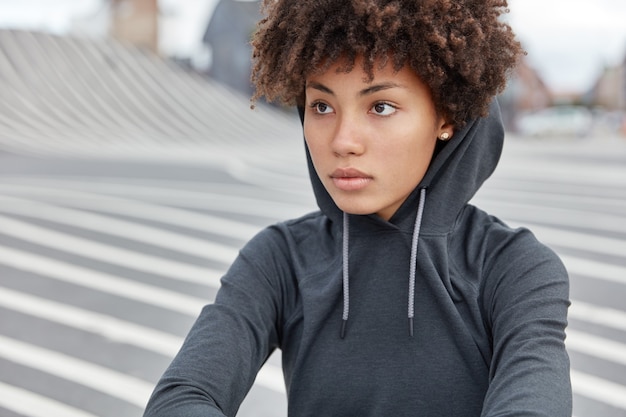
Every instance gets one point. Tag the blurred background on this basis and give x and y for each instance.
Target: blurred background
(576, 49)
(132, 169)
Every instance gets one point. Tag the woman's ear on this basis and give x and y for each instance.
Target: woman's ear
(446, 130)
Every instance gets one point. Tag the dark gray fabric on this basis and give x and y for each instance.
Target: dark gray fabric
(490, 310)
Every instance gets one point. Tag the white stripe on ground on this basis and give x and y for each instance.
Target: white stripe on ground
(112, 328)
(148, 211)
(592, 174)
(62, 271)
(596, 346)
(125, 387)
(576, 240)
(602, 316)
(114, 255)
(269, 377)
(122, 228)
(29, 404)
(599, 389)
(254, 206)
(595, 269)
(523, 213)
(563, 200)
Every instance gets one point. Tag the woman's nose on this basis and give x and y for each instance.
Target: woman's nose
(348, 136)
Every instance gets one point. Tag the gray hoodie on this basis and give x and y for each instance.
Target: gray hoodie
(441, 311)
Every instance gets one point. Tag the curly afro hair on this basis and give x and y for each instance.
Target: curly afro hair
(459, 48)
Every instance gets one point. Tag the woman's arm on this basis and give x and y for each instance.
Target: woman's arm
(526, 305)
(230, 340)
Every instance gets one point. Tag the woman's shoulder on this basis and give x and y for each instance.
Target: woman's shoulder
(502, 247)
(493, 230)
(312, 233)
(310, 228)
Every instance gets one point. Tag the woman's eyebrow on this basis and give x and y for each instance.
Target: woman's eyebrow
(366, 91)
(379, 87)
(320, 87)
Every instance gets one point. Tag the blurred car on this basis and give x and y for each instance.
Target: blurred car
(558, 121)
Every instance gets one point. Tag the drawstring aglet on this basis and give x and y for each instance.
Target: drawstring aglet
(411, 326)
(343, 328)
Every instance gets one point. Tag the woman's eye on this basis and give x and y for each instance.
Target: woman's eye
(322, 108)
(383, 109)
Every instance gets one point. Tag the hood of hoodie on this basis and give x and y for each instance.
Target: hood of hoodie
(457, 170)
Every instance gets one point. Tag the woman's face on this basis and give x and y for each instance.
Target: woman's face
(371, 142)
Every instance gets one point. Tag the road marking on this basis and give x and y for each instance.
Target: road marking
(564, 200)
(523, 213)
(148, 211)
(599, 389)
(596, 173)
(114, 255)
(29, 404)
(588, 242)
(596, 346)
(602, 316)
(112, 328)
(198, 186)
(204, 200)
(122, 228)
(595, 269)
(127, 388)
(100, 281)
(269, 377)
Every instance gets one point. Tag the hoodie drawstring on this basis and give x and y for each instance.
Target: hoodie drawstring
(346, 273)
(412, 266)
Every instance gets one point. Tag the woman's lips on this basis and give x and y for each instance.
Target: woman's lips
(350, 179)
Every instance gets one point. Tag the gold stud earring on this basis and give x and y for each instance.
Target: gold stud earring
(445, 136)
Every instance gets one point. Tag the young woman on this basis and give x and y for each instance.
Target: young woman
(396, 298)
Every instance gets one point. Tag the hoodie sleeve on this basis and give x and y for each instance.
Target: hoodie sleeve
(230, 340)
(526, 302)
